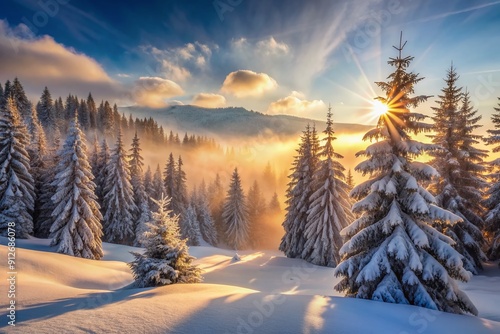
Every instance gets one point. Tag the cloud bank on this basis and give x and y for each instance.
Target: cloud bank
(154, 91)
(208, 100)
(243, 83)
(42, 61)
(296, 104)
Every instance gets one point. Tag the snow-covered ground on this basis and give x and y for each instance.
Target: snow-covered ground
(263, 293)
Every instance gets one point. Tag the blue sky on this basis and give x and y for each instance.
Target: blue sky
(293, 57)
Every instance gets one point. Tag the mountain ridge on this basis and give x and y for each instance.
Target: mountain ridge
(233, 121)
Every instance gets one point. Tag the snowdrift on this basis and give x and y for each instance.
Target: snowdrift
(264, 292)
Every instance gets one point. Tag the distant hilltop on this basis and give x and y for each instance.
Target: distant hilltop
(233, 121)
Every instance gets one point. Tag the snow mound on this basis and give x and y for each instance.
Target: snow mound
(262, 293)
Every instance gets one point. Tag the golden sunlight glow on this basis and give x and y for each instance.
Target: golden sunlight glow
(379, 108)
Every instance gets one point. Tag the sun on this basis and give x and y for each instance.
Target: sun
(379, 108)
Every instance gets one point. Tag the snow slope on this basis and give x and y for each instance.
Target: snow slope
(262, 293)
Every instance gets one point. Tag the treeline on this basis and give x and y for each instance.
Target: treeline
(88, 190)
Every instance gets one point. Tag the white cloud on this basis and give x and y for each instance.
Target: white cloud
(244, 83)
(178, 63)
(208, 100)
(154, 91)
(267, 47)
(174, 71)
(271, 47)
(42, 61)
(296, 104)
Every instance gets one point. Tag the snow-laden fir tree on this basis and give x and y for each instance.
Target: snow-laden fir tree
(216, 202)
(83, 115)
(92, 112)
(101, 175)
(181, 196)
(299, 195)
(148, 181)
(492, 202)
(393, 253)
(190, 228)
(274, 206)
(175, 185)
(158, 188)
(460, 166)
(166, 259)
(77, 228)
(169, 181)
(257, 210)
(51, 161)
(349, 179)
(23, 105)
(37, 150)
(119, 206)
(46, 112)
(136, 163)
(206, 223)
(330, 208)
(235, 215)
(5, 95)
(59, 112)
(94, 156)
(17, 196)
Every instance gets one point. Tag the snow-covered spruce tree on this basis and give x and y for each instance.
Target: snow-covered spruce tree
(23, 105)
(274, 207)
(190, 228)
(119, 206)
(158, 188)
(206, 223)
(330, 208)
(101, 175)
(216, 203)
(148, 181)
(235, 215)
(175, 185)
(5, 94)
(256, 205)
(460, 165)
(492, 202)
(166, 259)
(169, 181)
(136, 163)
(92, 112)
(45, 219)
(349, 180)
(473, 167)
(77, 229)
(83, 115)
(393, 253)
(180, 188)
(299, 196)
(46, 112)
(37, 150)
(17, 196)
(94, 156)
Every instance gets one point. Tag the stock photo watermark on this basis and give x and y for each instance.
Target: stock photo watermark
(487, 87)
(223, 6)
(48, 9)
(265, 308)
(371, 28)
(11, 273)
(40, 18)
